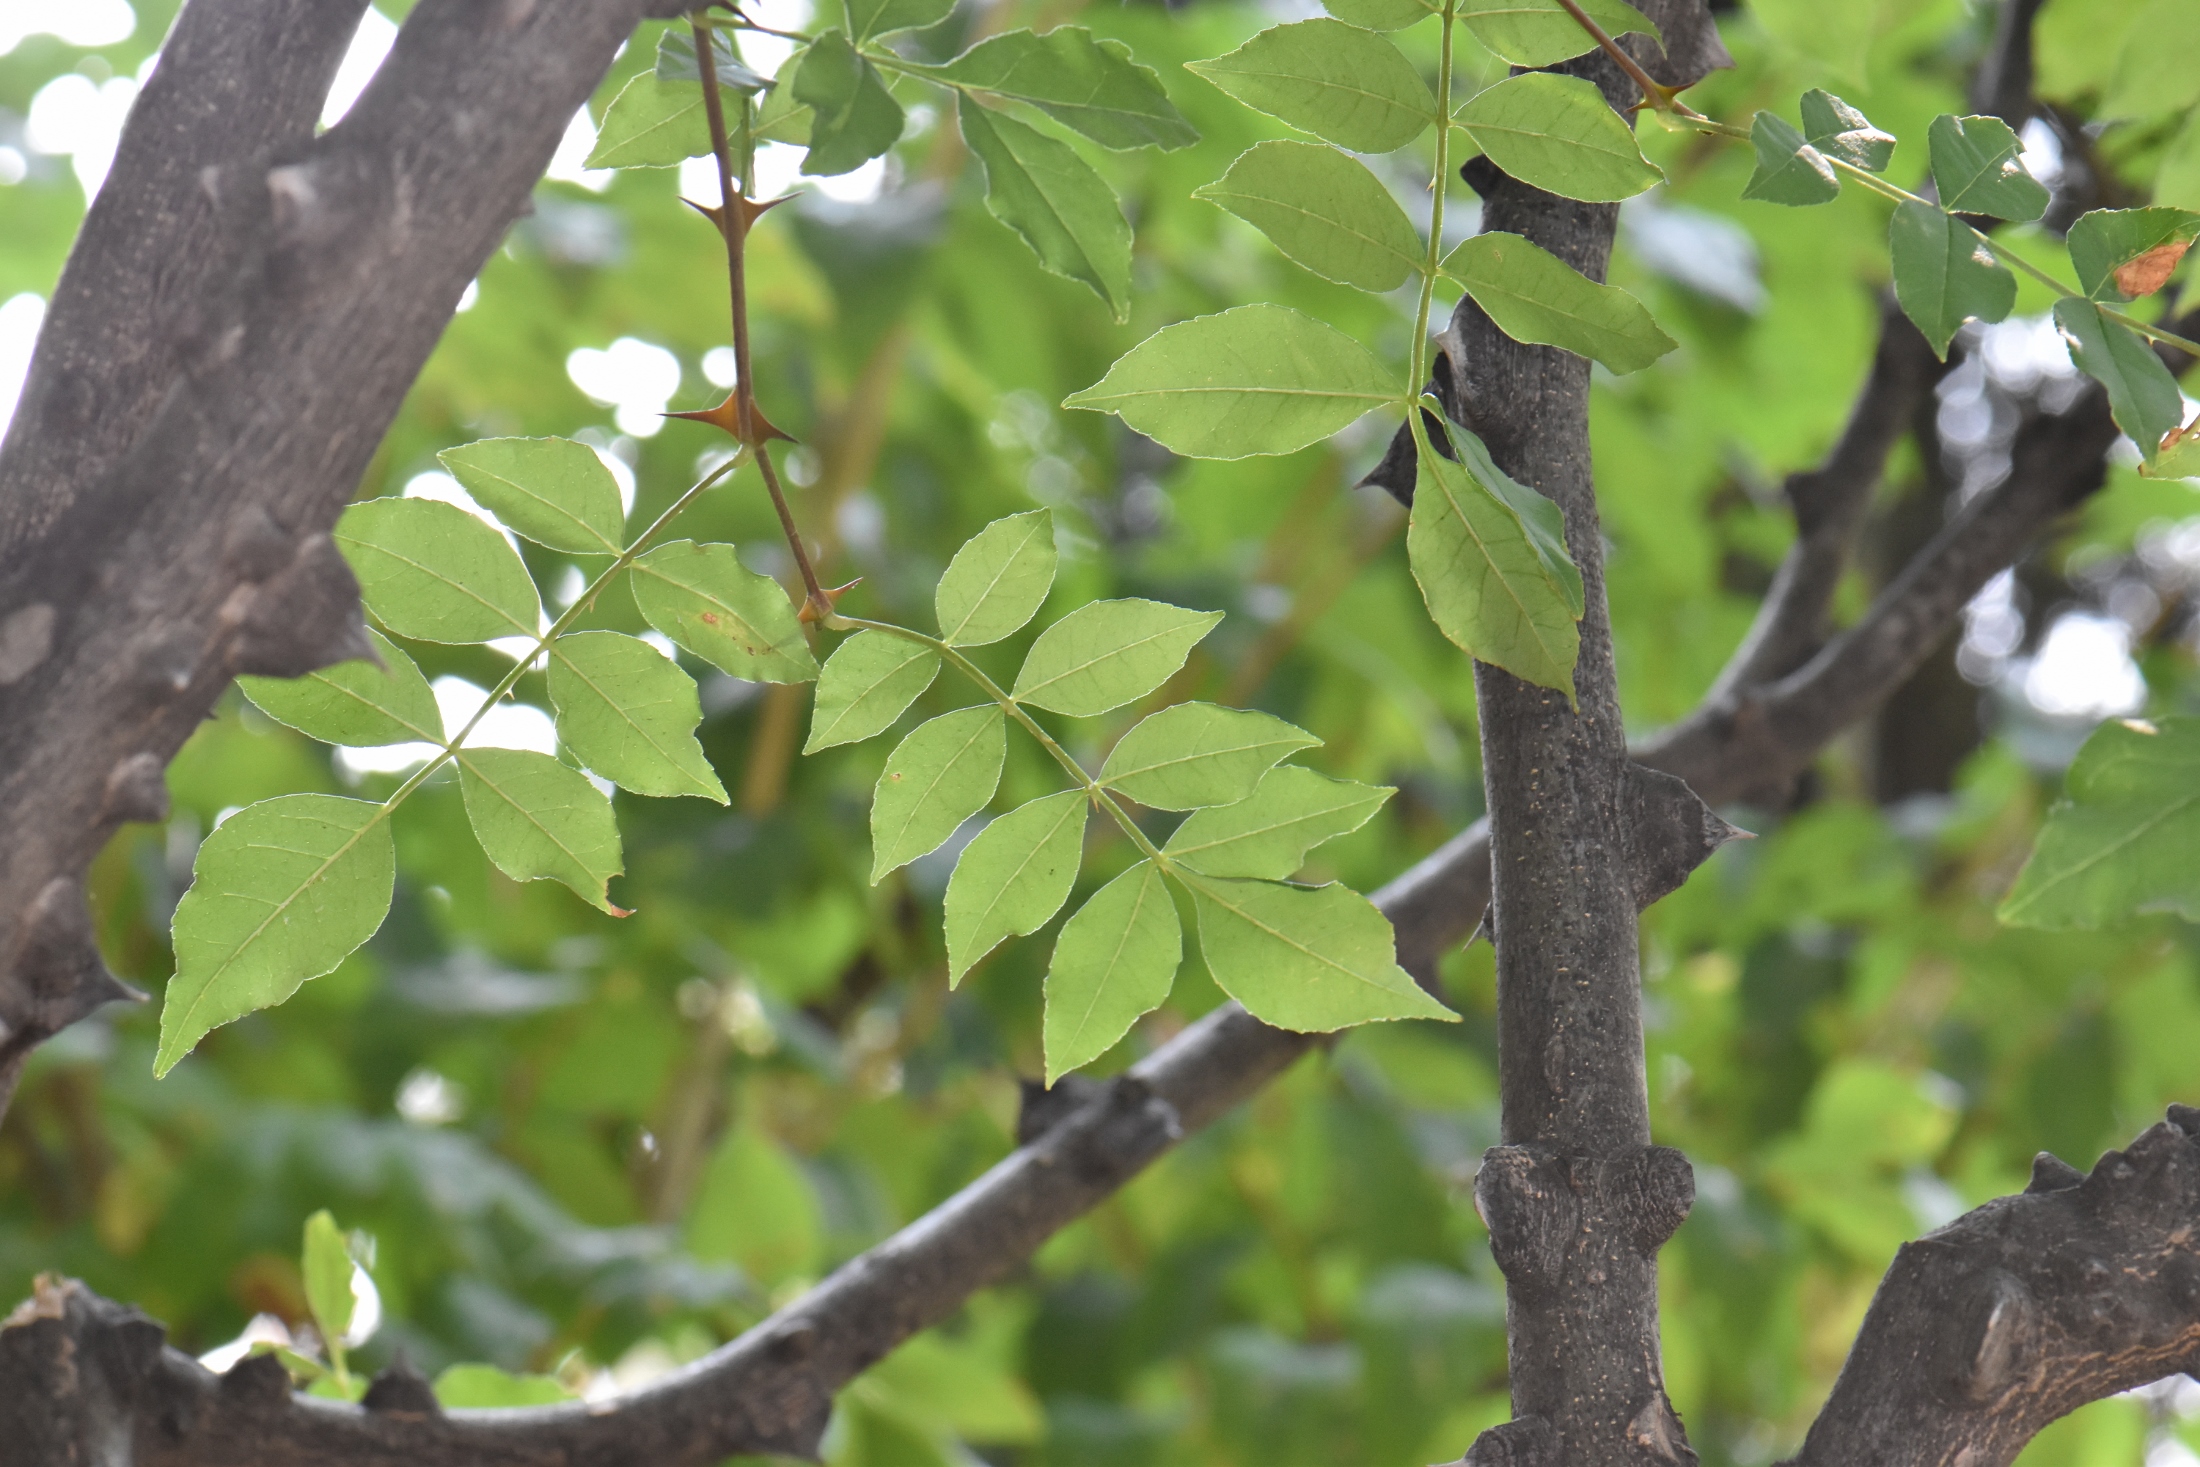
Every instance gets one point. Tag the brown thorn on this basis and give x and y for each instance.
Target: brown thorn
(727, 415)
(832, 595)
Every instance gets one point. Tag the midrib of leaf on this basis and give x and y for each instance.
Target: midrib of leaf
(1578, 140)
(374, 707)
(977, 603)
(917, 805)
(754, 632)
(529, 815)
(1214, 753)
(625, 717)
(1535, 627)
(1008, 884)
(554, 507)
(436, 575)
(277, 908)
(1323, 219)
(1322, 82)
(1086, 666)
(1115, 958)
(2078, 868)
(1545, 306)
(868, 694)
(1285, 938)
(1376, 397)
(1185, 853)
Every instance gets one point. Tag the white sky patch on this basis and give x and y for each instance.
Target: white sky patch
(469, 297)
(427, 1098)
(721, 367)
(573, 150)
(633, 376)
(2022, 350)
(779, 171)
(19, 322)
(2084, 669)
(14, 167)
(507, 726)
(764, 53)
(369, 45)
(75, 117)
(86, 23)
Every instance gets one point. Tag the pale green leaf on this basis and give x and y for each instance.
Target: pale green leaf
(1559, 134)
(1379, 15)
(779, 117)
(1013, 877)
(706, 600)
(1268, 833)
(998, 580)
(868, 18)
(552, 490)
(1054, 201)
(536, 817)
(1324, 210)
(943, 773)
(282, 891)
(866, 684)
(2126, 837)
(1252, 380)
(1979, 169)
(1348, 86)
(1534, 296)
(628, 712)
(2123, 254)
(430, 570)
(1944, 274)
(2142, 395)
(652, 124)
(486, 1386)
(1541, 33)
(1838, 130)
(1197, 754)
(1079, 80)
(1789, 170)
(856, 118)
(755, 1207)
(676, 62)
(1116, 959)
(354, 703)
(325, 1264)
(1310, 959)
(1105, 653)
(1487, 571)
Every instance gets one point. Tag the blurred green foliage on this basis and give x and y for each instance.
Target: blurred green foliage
(584, 1145)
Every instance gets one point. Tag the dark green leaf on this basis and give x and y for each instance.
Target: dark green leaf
(1789, 170)
(676, 62)
(2123, 254)
(2125, 839)
(1079, 80)
(1534, 296)
(1324, 210)
(1559, 134)
(1333, 80)
(1055, 201)
(1838, 130)
(1978, 168)
(2141, 392)
(856, 118)
(1944, 274)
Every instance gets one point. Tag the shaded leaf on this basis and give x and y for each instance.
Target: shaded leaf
(1251, 380)
(652, 124)
(2142, 394)
(2126, 837)
(1978, 168)
(868, 18)
(1079, 80)
(1559, 134)
(354, 703)
(706, 600)
(1336, 81)
(1311, 959)
(325, 1264)
(1789, 170)
(282, 891)
(1198, 754)
(1054, 201)
(943, 773)
(866, 684)
(2124, 254)
(855, 117)
(1268, 833)
(1535, 296)
(676, 62)
(536, 817)
(1105, 653)
(1838, 130)
(1378, 15)
(1541, 33)
(1944, 274)
(432, 571)
(629, 713)
(552, 490)
(1013, 877)
(1116, 959)
(1324, 210)
(997, 580)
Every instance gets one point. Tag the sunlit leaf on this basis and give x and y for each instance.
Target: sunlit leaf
(1105, 653)
(1052, 198)
(486, 1386)
(1838, 130)
(1336, 81)
(2126, 837)
(1116, 958)
(1979, 169)
(1944, 274)
(536, 817)
(1013, 877)
(1559, 134)
(997, 580)
(430, 570)
(706, 600)
(1198, 754)
(628, 712)
(1268, 833)
(1534, 296)
(1789, 170)
(1379, 15)
(354, 703)
(1081, 81)
(865, 685)
(325, 1264)
(652, 124)
(943, 773)
(552, 490)
(1324, 210)
(1541, 33)
(1306, 958)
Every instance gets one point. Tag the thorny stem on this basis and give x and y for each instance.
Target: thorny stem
(1092, 787)
(1657, 97)
(1419, 372)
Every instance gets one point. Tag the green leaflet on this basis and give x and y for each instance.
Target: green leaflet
(629, 713)
(1789, 170)
(2178, 457)
(1378, 15)
(1054, 201)
(1198, 754)
(867, 682)
(676, 62)
(1324, 210)
(856, 117)
(2123, 254)
(282, 891)
(432, 571)
(1345, 85)
(1105, 653)
(1013, 877)
(706, 600)
(1311, 959)
(1250, 380)
(536, 817)
(1489, 569)
(868, 18)
(354, 703)
(1115, 960)
(653, 124)
(1944, 274)
(2142, 394)
(2126, 837)
(1535, 296)
(1978, 171)
(939, 776)
(552, 490)
(325, 1266)
(779, 117)
(485, 1385)
(1268, 833)
(1558, 133)
(1543, 520)
(997, 580)
(1541, 33)
(754, 1207)
(1079, 80)
(1838, 130)
(2154, 73)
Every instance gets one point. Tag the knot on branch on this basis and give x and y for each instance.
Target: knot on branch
(1527, 1442)
(1993, 1341)
(137, 790)
(57, 975)
(1041, 1107)
(1114, 1134)
(304, 617)
(1653, 1191)
(1669, 831)
(402, 1392)
(1527, 1200)
(77, 1373)
(1656, 1434)
(26, 640)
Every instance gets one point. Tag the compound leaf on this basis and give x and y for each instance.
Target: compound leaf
(1054, 201)
(939, 776)
(1311, 959)
(552, 490)
(1944, 274)
(1197, 754)
(628, 712)
(536, 817)
(997, 580)
(432, 571)
(706, 600)
(1558, 133)
(867, 683)
(1013, 877)
(1115, 960)
(1105, 653)
(1535, 296)
(1336, 81)
(354, 703)
(1268, 833)
(282, 891)
(1324, 210)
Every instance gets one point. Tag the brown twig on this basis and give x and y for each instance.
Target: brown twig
(1660, 97)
